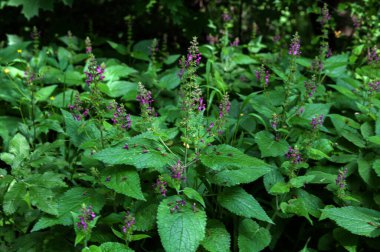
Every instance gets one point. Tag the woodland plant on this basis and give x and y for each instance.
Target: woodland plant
(224, 151)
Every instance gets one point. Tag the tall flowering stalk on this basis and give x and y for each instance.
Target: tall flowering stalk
(193, 104)
(324, 19)
(262, 76)
(128, 226)
(372, 56)
(310, 87)
(84, 222)
(145, 99)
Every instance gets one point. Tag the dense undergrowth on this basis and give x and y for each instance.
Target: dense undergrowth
(230, 147)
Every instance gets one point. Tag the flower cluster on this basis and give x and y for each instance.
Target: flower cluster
(161, 186)
(274, 121)
(177, 206)
(78, 110)
(294, 155)
(201, 104)
(356, 22)
(29, 77)
(193, 58)
(178, 171)
(212, 40)
(310, 86)
(341, 179)
(120, 116)
(325, 15)
(129, 222)
(374, 86)
(317, 121)
(226, 17)
(235, 43)
(145, 99)
(372, 55)
(262, 73)
(224, 106)
(95, 72)
(316, 65)
(87, 216)
(295, 46)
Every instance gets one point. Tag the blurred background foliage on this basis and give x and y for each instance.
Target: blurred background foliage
(176, 21)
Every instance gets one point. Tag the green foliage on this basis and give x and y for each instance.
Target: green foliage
(114, 146)
(182, 230)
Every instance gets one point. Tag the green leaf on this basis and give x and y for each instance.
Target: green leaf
(181, 231)
(145, 214)
(120, 88)
(71, 201)
(123, 50)
(19, 146)
(280, 188)
(116, 72)
(114, 246)
(43, 94)
(14, 197)
(243, 59)
(354, 138)
(31, 8)
(169, 81)
(44, 199)
(137, 156)
(358, 220)
(252, 237)
(123, 180)
(376, 167)
(194, 195)
(374, 139)
(300, 181)
(233, 166)
(241, 203)
(269, 147)
(364, 169)
(217, 237)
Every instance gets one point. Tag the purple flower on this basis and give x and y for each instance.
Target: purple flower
(87, 216)
(129, 222)
(267, 77)
(295, 46)
(325, 15)
(226, 17)
(317, 121)
(177, 171)
(258, 77)
(341, 178)
(161, 186)
(374, 87)
(201, 106)
(294, 155)
(372, 55)
(126, 147)
(212, 39)
(310, 87)
(235, 43)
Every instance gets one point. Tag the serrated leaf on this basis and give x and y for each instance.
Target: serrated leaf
(269, 147)
(13, 197)
(252, 237)
(31, 8)
(19, 146)
(194, 195)
(357, 220)
(239, 202)
(115, 246)
(181, 231)
(123, 180)
(116, 72)
(43, 199)
(226, 156)
(374, 139)
(123, 50)
(144, 155)
(71, 201)
(217, 237)
(376, 166)
(145, 214)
